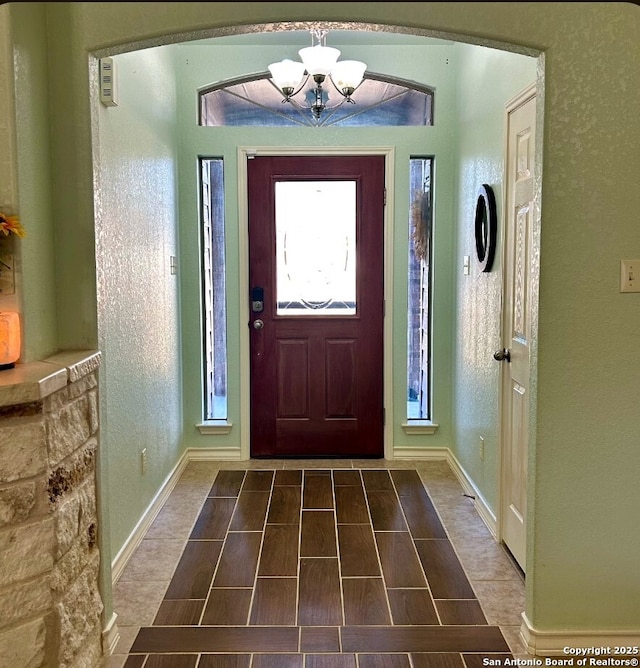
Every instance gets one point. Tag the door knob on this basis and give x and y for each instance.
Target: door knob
(503, 355)
(258, 324)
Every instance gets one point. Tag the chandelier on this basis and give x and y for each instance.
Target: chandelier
(319, 61)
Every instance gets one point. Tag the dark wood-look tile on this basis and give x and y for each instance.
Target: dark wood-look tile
(318, 534)
(377, 480)
(460, 612)
(193, 574)
(274, 602)
(285, 505)
(386, 513)
(225, 661)
(330, 661)
(179, 612)
(250, 512)
(226, 630)
(213, 520)
(365, 601)
(358, 556)
(319, 639)
(257, 481)
(444, 572)
(279, 556)
(135, 661)
(371, 639)
(351, 506)
(422, 517)
(239, 560)
(227, 607)
(412, 607)
(227, 483)
(318, 492)
(383, 661)
(214, 639)
(350, 477)
(437, 660)
(288, 477)
(319, 600)
(277, 661)
(479, 660)
(400, 565)
(171, 661)
(407, 482)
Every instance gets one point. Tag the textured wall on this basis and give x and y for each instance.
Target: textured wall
(138, 306)
(26, 174)
(584, 495)
(480, 149)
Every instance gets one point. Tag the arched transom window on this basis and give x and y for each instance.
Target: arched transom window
(254, 100)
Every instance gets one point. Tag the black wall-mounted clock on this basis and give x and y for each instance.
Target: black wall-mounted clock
(486, 227)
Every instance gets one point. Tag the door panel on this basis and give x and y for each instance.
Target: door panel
(342, 380)
(316, 251)
(519, 208)
(293, 378)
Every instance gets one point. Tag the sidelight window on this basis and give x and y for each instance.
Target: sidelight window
(213, 289)
(419, 312)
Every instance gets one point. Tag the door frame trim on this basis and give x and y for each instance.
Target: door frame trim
(245, 153)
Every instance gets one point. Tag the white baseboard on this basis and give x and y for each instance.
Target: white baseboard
(552, 643)
(214, 454)
(110, 636)
(420, 454)
(485, 512)
(135, 538)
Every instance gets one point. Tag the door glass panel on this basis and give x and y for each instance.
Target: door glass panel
(315, 248)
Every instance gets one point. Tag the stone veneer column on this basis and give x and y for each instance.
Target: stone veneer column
(50, 606)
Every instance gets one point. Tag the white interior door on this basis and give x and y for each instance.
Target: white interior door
(515, 358)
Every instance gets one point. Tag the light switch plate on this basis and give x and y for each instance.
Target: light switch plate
(629, 275)
(7, 274)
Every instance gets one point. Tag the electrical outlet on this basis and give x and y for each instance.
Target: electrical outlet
(143, 460)
(481, 447)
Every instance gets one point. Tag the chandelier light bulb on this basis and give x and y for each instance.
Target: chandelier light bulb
(347, 75)
(287, 75)
(318, 62)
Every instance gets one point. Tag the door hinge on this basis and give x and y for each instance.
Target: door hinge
(384, 197)
(384, 417)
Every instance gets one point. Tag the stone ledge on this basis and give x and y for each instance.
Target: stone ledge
(31, 382)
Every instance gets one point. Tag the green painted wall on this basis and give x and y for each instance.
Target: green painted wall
(583, 492)
(138, 297)
(487, 78)
(200, 66)
(31, 189)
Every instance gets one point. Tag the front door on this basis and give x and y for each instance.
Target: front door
(316, 304)
(519, 257)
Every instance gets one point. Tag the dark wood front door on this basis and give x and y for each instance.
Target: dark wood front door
(317, 306)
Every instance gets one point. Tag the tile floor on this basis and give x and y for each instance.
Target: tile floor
(317, 564)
